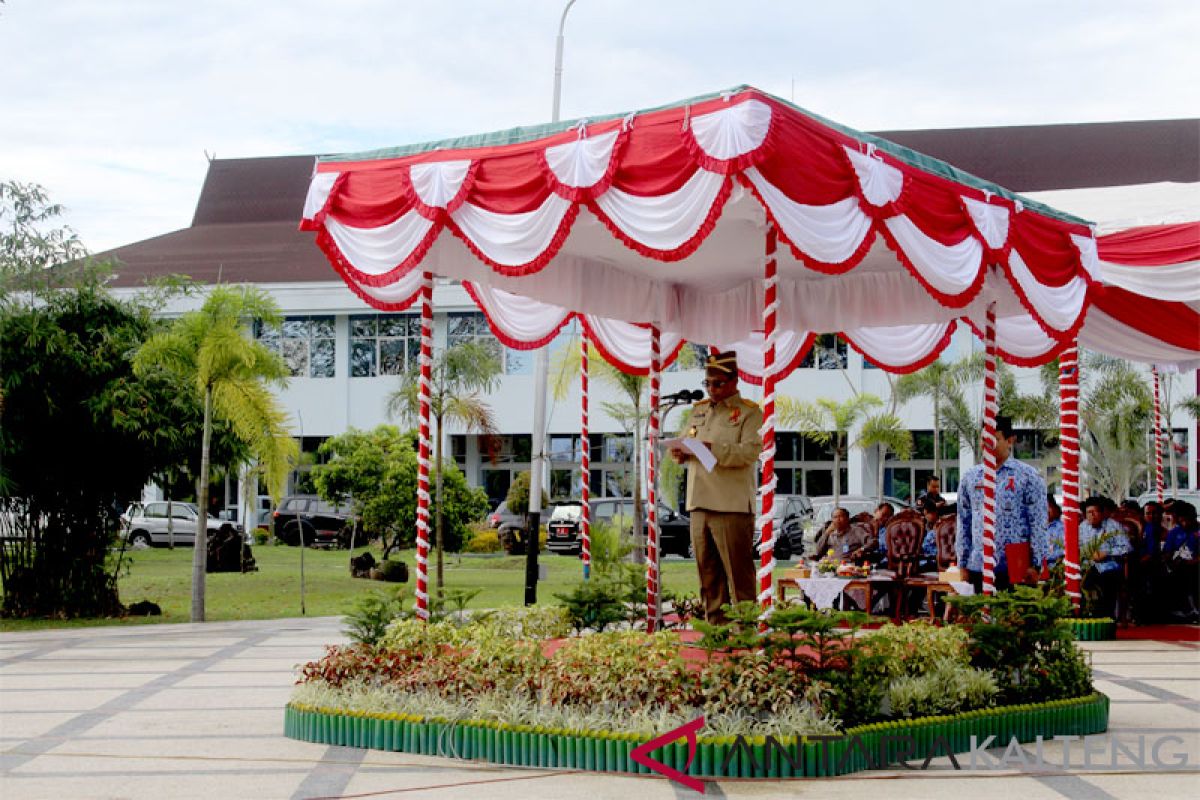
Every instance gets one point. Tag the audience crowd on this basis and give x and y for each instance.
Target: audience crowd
(1140, 564)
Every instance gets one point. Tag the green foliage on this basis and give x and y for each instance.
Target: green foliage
(518, 495)
(1022, 638)
(367, 621)
(80, 432)
(594, 604)
(482, 538)
(946, 688)
(917, 647)
(376, 472)
(208, 355)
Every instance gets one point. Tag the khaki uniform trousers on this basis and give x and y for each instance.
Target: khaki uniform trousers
(723, 542)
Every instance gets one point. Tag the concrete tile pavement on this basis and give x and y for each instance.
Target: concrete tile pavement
(182, 711)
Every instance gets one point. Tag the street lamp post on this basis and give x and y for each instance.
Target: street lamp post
(541, 371)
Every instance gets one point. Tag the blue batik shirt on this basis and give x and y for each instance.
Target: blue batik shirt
(1055, 540)
(929, 543)
(1117, 546)
(1020, 514)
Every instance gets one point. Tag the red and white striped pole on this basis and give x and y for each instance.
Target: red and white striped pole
(1159, 483)
(1068, 391)
(424, 445)
(766, 490)
(990, 409)
(653, 601)
(585, 458)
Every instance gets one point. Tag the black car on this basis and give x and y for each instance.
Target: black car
(563, 529)
(321, 523)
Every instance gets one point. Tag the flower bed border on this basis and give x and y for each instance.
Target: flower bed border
(754, 757)
(1099, 629)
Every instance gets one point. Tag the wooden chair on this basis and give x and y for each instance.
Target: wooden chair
(903, 534)
(945, 535)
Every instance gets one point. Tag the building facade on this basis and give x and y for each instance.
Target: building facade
(346, 358)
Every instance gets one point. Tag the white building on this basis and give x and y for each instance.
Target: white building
(347, 358)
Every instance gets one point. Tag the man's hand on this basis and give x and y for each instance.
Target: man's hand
(679, 455)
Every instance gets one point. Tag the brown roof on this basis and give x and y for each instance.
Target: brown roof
(245, 226)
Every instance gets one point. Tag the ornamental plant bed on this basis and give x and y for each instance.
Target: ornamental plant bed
(517, 686)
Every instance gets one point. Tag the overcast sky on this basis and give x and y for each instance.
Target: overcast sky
(113, 105)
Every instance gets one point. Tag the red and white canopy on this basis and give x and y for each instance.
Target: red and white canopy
(659, 217)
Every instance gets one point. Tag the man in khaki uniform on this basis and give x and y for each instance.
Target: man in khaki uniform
(721, 502)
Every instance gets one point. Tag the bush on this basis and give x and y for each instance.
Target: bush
(391, 571)
(482, 538)
(369, 617)
(1023, 638)
(948, 688)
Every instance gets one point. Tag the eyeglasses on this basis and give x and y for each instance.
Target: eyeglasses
(713, 384)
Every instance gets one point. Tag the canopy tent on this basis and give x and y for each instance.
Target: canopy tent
(659, 227)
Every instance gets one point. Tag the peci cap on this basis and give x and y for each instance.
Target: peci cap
(1004, 426)
(722, 362)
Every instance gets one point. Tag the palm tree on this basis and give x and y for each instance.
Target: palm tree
(827, 422)
(939, 382)
(885, 431)
(459, 375)
(230, 373)
(1116, 414)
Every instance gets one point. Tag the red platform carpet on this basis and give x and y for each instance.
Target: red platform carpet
(1163, 633)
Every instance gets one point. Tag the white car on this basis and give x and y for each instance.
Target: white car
(146, 524)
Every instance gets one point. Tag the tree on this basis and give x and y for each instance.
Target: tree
(940, 382)
(1115, 413)
(80, 434)
(885, 431)
(35, 250)
(208, 352)
(828, 422)
(458, 377)
(376, 473)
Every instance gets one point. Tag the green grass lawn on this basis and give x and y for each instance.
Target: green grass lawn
(164, 577)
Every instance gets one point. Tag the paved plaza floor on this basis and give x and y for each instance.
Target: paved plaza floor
(196, 711)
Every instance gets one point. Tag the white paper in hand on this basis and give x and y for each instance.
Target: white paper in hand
(696, 448)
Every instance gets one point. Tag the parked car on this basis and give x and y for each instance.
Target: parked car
(674, 527)
(792, 511)
(147, 524)
(1190, 495)
(320, 522)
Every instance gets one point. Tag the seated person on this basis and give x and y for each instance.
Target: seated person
(883, 515)
(848, 542)
(932, 494)
(928, 557)
(1181, 563)
(1105, 540)
(1054, 531)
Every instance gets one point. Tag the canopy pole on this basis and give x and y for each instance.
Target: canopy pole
(1159, 484)
(1068, 388)
(423, 445)
(766, 490)
(585, 458)
(990, 409)
(653, 599)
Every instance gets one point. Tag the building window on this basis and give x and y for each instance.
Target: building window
(305, 343)
(471, 326)
(384, 344)
(828, 352)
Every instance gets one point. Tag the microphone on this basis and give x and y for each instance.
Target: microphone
(684, 396)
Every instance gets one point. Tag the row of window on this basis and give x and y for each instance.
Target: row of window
(390, 344)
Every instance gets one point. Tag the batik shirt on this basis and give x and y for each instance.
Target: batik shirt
(1020, 514)
(1117, 546)
(1055, 539)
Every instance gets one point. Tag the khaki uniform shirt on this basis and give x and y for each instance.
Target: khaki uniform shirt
(856, 539)
(731, 427)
